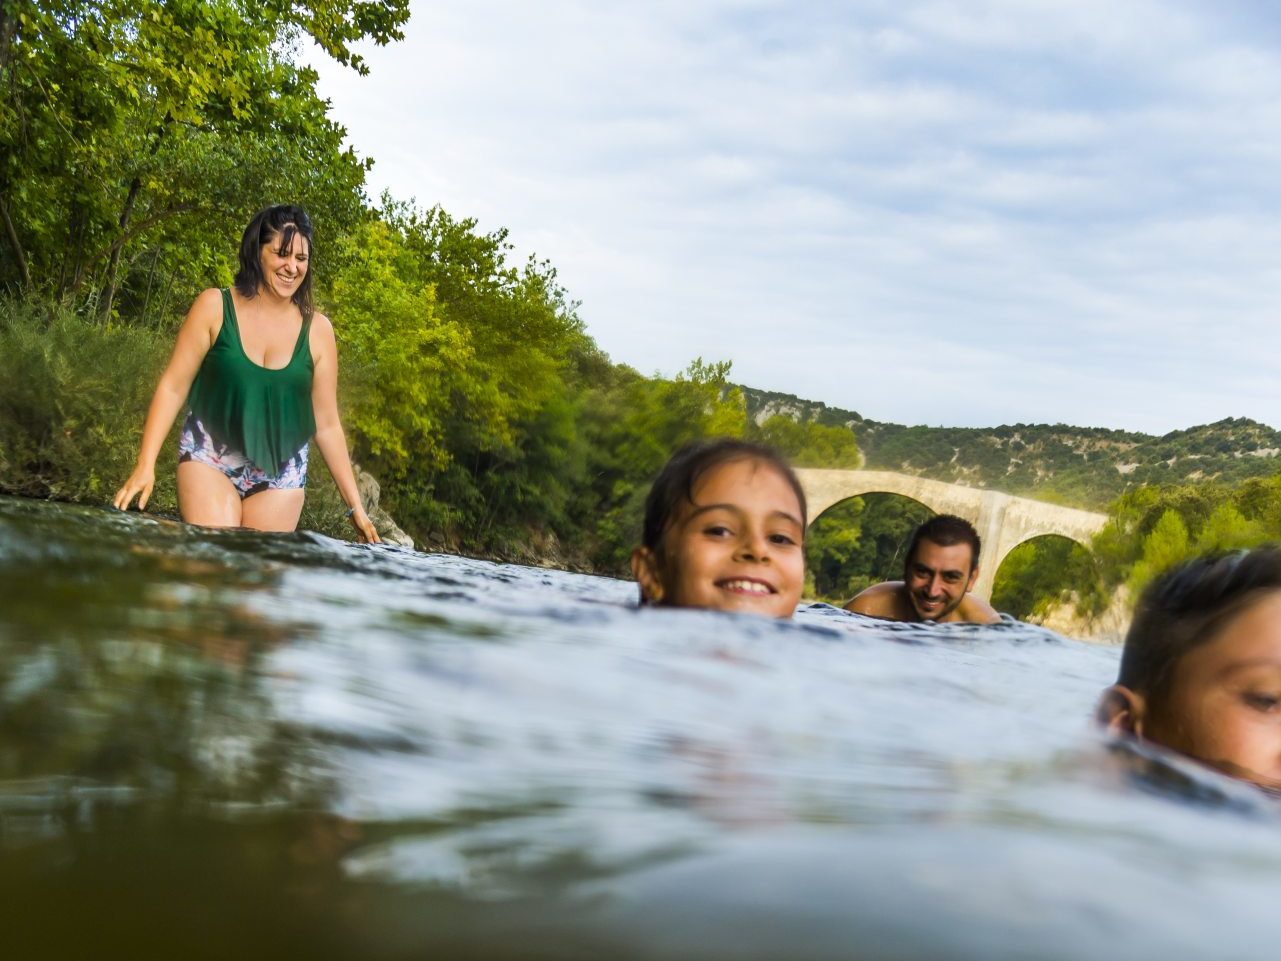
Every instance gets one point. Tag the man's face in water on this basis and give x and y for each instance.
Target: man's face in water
(938, 577)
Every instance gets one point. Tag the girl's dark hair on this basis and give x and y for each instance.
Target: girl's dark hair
(674, 485)
(1187, 606)
(282, 222)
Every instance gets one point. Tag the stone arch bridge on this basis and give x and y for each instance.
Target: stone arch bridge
(1002, 520)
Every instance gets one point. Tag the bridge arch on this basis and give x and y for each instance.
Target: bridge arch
(1002, 520)
(841, 567)
(1042, 567)
(1037, 535)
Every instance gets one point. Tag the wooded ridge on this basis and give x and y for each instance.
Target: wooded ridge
(1087, 467)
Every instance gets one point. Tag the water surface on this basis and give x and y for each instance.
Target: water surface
(229, 744)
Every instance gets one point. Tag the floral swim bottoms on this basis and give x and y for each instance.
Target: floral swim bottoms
(196, 444)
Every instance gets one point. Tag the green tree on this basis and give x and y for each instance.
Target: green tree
(408, 365)
(860, 542)
(809, 443)
(515, 453)
(1041, 573)
(1226, 528)
(1167, 544)
(832, 552)
(135, 132)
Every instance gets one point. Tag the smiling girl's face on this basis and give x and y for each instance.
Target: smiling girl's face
(736, 547)
(1223, 703)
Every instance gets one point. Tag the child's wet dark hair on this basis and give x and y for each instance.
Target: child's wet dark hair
(1187, 606)
(674, 485)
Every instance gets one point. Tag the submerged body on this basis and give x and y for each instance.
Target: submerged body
(894, 601)
(724, 530)
(941, 568)
(1201, 667)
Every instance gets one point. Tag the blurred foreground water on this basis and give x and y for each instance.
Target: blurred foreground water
(236, 745)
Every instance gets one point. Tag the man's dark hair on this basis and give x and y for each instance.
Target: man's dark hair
(278, 224)
(946, 530)
(674, 485)
(1187, 606)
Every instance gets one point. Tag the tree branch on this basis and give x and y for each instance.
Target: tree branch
(15, 243)
(138, 227)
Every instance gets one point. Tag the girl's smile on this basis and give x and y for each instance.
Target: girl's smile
(736, 547)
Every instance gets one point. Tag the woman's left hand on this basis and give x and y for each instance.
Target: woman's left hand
(364, 527)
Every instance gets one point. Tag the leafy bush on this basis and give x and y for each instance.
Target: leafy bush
(72, 397)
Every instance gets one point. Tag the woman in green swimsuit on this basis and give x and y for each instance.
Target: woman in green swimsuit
(257, 370)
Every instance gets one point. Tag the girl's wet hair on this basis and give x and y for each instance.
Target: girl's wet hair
(674, 486)
(1188, 606)
(278, 225)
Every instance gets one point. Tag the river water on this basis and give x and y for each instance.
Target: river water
(228, 744)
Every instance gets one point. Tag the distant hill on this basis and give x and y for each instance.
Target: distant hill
(1078, 466)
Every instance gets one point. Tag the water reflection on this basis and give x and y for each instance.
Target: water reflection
(233, 744)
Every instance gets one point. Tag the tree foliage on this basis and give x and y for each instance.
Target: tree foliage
(860, 542)
(1041, 573)
(137, 134)
(809, 443)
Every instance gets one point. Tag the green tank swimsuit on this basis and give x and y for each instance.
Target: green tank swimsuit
(264, 413)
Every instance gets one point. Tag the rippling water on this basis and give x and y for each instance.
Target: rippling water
(228, 744)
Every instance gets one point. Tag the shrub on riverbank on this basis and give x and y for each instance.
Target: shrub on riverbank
(71, 393)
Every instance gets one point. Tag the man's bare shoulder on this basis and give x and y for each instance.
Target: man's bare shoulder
(975, 610)
(886, 600)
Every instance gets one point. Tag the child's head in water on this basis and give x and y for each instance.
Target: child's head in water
(1201, 669)
(724, 529)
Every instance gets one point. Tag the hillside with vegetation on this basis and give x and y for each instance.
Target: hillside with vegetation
(1209, 488)
(1087, 467)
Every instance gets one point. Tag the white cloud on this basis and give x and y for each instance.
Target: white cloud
(944, 212)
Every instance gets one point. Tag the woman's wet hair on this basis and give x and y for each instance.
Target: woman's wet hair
(276, 225)
(1188, 606)
(674, 486)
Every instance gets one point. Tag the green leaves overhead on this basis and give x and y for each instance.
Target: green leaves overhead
(810, 444)
(132, 130)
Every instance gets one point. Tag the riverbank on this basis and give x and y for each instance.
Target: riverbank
(1108, 627)
(546, 460)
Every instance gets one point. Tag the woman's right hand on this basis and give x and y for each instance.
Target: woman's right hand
(364, 526)
(138, 485)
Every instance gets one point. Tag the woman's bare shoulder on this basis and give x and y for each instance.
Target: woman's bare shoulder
(207, 306)
(321, 339)
(205, 313)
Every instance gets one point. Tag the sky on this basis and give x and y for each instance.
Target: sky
(927, 211)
